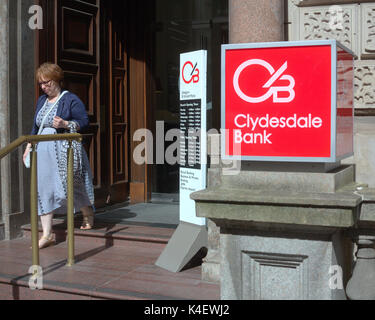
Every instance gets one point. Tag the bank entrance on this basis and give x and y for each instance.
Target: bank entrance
(122, 59)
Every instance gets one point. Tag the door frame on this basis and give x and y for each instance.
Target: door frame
(139, 80)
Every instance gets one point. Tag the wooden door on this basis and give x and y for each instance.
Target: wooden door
(78, 53)
(104, 48)
(115, 64)
(89, 45)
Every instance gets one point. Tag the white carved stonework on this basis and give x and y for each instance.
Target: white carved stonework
(368, 27)
(352, 24)
(364, 84)
(306, 3)
(330, 22)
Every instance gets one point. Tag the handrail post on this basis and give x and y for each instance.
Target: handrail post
(70, 207)
(34, 206)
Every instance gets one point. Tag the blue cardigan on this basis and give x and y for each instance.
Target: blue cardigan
(70, 108)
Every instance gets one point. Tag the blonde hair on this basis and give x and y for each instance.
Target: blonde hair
(50, 71)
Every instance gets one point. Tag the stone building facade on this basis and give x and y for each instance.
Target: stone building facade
(351, 22)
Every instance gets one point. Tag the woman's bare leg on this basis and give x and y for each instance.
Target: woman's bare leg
(47, 224)
(47, 238)
(88, 218)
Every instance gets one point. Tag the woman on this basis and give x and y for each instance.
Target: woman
(59, 111)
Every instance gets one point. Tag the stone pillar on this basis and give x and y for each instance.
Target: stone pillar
(249, 21)
(17, 97)
(4, 114)
(256, 21)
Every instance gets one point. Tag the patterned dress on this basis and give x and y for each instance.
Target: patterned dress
(52, 170)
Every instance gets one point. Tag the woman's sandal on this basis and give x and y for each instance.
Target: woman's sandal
(88, 222)
(45, 242)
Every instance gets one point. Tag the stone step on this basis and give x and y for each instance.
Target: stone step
(99, 272)
(108, 233)
(112, 261)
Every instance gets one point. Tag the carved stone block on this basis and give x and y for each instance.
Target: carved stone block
(368, 27)
(352, 24)
(330, 22)
(364, 84)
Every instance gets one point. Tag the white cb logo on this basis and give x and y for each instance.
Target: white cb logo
(273, 91)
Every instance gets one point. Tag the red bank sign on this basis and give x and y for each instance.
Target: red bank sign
(287, 101)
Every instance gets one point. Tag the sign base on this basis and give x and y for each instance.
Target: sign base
(186, 241)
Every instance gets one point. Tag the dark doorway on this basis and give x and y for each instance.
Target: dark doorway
(183, 26)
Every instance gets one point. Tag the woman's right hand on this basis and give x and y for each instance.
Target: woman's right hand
(28, 147)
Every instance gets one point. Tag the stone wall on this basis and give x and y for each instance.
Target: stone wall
(352, 23)
(4, 109)
(17, 99)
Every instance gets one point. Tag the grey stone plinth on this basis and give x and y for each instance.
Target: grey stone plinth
(296, 208)
(284, 242)
(291, 181)
(268, 265)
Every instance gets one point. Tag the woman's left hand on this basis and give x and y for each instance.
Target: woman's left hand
(59, 123)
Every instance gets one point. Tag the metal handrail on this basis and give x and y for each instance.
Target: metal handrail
(34, 187)
(38, 138)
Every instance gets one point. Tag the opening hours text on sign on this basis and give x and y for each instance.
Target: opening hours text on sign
(190, 126)
(287, 101)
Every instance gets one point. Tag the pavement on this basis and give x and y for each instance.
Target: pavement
(162, 211)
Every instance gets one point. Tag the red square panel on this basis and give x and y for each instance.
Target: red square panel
(280, 102)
